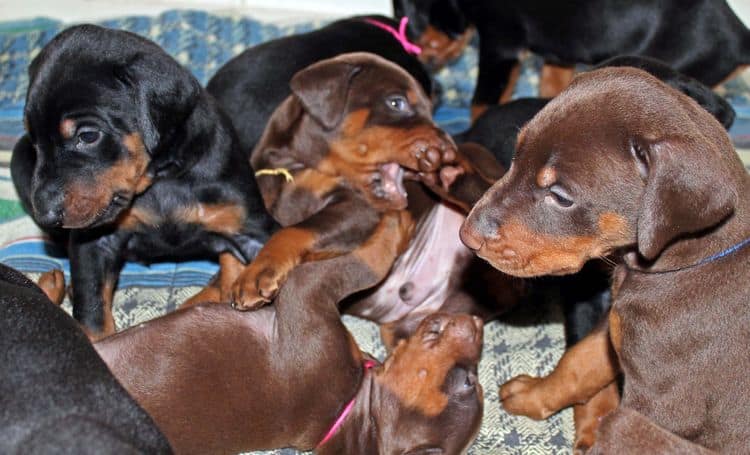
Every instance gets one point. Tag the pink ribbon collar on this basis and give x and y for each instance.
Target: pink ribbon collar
(399, 34)
(347, 409)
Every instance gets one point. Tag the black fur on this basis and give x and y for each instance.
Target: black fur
(56, 393)
(703, 39)
(119, 84)
(250, 106)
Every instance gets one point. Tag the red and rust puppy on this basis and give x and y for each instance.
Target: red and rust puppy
(332, 160)
(290, 375)
(621, 162)
(703, 39)
(126, 157)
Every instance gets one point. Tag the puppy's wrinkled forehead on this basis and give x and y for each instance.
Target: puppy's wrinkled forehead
(614, 103)
(602, 112)
(379, 77)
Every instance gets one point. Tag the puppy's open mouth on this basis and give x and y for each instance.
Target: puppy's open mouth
(388, 184)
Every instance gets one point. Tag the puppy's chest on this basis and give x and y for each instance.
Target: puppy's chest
(686, 323)
(425, 274)
(179, 225)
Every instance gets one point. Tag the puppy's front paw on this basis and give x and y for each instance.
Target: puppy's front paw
(430, 156)
(524, 395)
(257, 286)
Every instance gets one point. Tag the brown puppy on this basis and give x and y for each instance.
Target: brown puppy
(620, 161)
(332, 160)
(220, 381)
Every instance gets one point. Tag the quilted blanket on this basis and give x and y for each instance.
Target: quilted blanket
(530, 340)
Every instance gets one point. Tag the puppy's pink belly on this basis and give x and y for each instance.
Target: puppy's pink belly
(425, 275)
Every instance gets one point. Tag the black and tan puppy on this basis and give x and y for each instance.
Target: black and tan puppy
(126, 157)
(251, 85)
(290, 375)
(703, 39)
(620, 162)
(56, 394)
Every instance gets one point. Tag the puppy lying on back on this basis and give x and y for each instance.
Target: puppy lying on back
(126, 157)
(354, 129)
(622, 162)
(290, 374)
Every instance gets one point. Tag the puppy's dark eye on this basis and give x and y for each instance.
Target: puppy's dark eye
(87, 136)
(640, 153)
(470, 381)
(398, 103)
(559, 196)
(462, 381)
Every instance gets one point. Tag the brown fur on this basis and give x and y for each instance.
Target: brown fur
(552, 80)
(438, 49)
(217, 290)
(505, 97)
(249, 376)
(134, 218)
(67, 128)
(53, 285)
(344, 133)
(86, 198)
(641, 159)
(582, 372)
(222, 218)
(588, 415)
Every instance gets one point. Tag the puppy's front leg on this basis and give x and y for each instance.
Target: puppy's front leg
(583, 371)
(336, 229)
(94, 268)
(496, 80)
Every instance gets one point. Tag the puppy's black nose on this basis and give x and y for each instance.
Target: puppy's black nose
(48, 207)
(49, 218)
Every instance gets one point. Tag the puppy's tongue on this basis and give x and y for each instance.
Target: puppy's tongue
(393, 183)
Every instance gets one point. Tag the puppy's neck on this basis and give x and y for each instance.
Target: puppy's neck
(688, 251)
(359, 432)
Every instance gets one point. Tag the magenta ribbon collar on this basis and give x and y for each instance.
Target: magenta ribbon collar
(347, 409)
(399, 34)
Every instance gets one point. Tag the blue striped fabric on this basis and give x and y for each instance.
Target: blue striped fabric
(203, 42)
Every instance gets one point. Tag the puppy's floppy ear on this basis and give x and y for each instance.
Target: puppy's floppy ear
(323, 89)
(166, 92)
(274, 156)
(684, 191)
